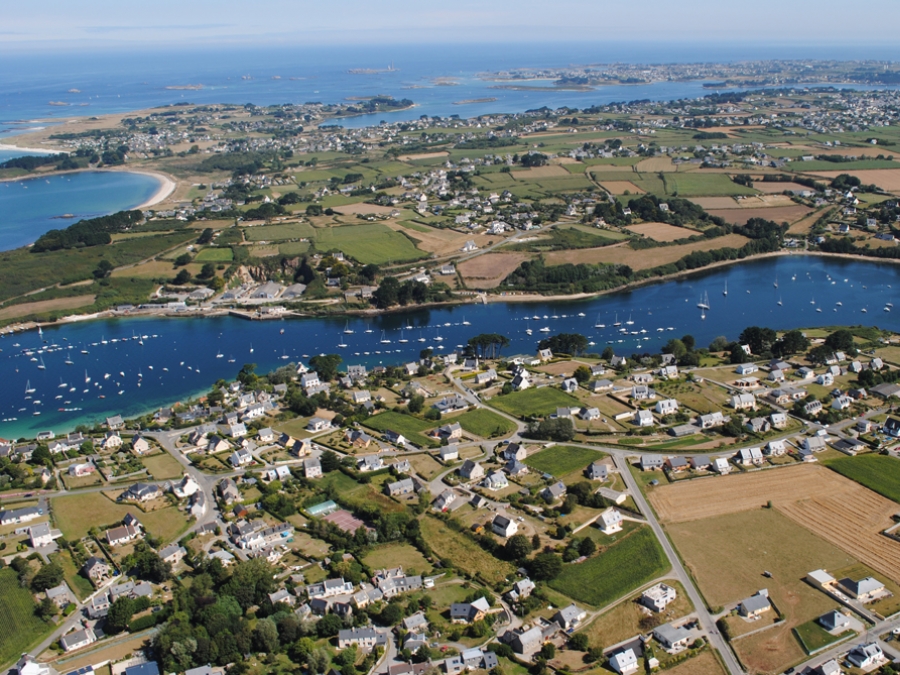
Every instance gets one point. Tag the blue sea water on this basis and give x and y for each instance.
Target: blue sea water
(29, 208)
(106, 82)
(179, 357)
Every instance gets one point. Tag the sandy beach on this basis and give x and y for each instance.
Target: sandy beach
(30, 151)
(166, 187)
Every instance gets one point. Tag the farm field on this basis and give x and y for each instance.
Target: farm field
(886, 179)
(876, 472)
(620, 187)
(484, 423)
(215, 255)
(19, 627)
(279, 232)
(373, 243)
(775, 213)
(623, 621)
(727, 555)
(488, 270)
(626, 565)
(541, 402)
(411, 427)
(814, 497)
(645, 259)
(465, 554)
(392, 555)
(27, 308)
(560, 460)
(661, 231)
(697, 184)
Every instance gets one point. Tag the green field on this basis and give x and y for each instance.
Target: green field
(279, 232)
(879, 473)
(76, 514)
(485, 423)
(560, 460)
(411, 427)
(23, 271)
(623, 567)
(373, 243)
(293, 247)
(19, 627)
(540, 402)
(215, 255)
(813, 637)
(394, 554)
(704, 185)
(163, 466)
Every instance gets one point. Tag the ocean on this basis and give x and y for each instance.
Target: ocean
(92, 83)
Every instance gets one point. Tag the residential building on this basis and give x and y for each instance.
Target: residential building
(624, 662)
(77, 639)
(364, 638)
(504, 526)
(672, 638)
(569, 617)
(469, 612)
(756, 605)
(866, 656)
(610, 521)
(658, 597)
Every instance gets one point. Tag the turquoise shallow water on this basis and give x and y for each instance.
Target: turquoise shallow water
(178, 358)
(29, 208)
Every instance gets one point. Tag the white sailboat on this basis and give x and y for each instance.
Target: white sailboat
(630, 321)
(776, 281)
(384, 339)
(41, 366)
(347, 329)
(402, 339)
(28, 388)
(465, 323)
(617, 323)
(779, 301)
(437, 337)
(87, 378)
(725, 292)
(704, 301)
(251, 347)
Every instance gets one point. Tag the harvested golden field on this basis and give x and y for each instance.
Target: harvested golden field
(777, 214)
(662, 231)
(804, 225)
(362, 208)
(437, 241)
(488, 270)
(46, 306)
(745, 202)
(620, 187)
(886, 179)
(655, 164)
(641, 260)
(423, 155)
(776, 188)
(548, 171)
(703, 664)
(835, 508)
(728, 554)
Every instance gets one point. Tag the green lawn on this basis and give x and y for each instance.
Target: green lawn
(163, 466)
(620, 569)
(541, 402)
(877, 472)
(462, 552)
(485, 423)
(20, 629)
(813, 637)
(394, 554)
(373, 243)
(409, 426)
(215, 255)
(560, 460)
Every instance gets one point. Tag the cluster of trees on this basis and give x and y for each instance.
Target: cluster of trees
(846, 245)
(573, 344)
(535, 275)
(488, 345)
(680, 211)
(551, 429)
(392, 292)
(763, 342)
(90, 232)
(32, 162)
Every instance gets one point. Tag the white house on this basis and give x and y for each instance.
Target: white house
(643, 418)
(504, 526)
(658, 597)
(240, 457)
(667, 406)
(624, 662)
(610, 521)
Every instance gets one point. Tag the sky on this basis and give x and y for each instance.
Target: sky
(92, 24)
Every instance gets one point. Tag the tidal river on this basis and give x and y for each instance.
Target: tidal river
(93, 369)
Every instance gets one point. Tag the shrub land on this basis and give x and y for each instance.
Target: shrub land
(19, 626)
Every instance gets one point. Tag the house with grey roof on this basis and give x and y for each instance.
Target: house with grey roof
(756, 605)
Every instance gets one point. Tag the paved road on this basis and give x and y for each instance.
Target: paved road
(706, 621)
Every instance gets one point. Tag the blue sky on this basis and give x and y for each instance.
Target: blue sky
(93, 23)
